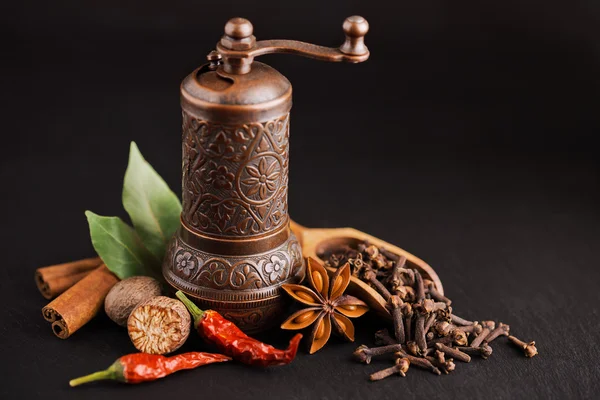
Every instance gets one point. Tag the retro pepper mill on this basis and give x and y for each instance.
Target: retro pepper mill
(234, 248)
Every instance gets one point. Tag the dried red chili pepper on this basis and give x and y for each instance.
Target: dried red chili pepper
(142, 367)
(214, 328)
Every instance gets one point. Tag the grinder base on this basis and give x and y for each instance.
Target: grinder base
(244, 289)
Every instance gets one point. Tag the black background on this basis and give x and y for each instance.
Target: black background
(467, 139)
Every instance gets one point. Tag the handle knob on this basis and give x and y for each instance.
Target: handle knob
(239, 28)
(238, 34)
(355, 28)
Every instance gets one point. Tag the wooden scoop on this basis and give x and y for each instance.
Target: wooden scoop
(319, 241)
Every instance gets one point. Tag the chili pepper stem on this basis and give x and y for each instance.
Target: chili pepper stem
(109, 373)
(196, 312)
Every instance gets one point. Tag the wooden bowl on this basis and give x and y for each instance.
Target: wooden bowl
(322, 241)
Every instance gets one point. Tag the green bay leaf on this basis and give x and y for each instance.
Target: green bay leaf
(120, 248)
(153, 208)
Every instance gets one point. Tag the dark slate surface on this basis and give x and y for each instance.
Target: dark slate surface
(466, 139)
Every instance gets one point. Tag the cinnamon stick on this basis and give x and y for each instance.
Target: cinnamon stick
(55, 279)
(79, 304)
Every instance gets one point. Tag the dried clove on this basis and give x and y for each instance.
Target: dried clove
(420, 330)
(396, 277)
(449, 366)
(485, 350)
(424, 306)
(409, 276)
(455, 319)
(390, 256)
(445, 315)
(488, 326)
(443, 328)
(456, 336)
(429, 351)
(475, 328)
(396, 306)
(420, 289)
(420, 362)
(371, 251)
(501, 330)
(529, 348)
(363, 246)
(430, 321)
(437, 296)
(371, 277)
(364, 353)
(454, 353)
(460, 337)
(439, 360)
(408, 313)
(400, 368)
(414, 349)
(381, 262)
(406, 293)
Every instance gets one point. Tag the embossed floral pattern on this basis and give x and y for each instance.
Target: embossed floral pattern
(220, 176)
(222, 145)
(234, 176)
(235, 273)
(221, 213)
(220, 279)
(185, 262)
(262, 178)
(214, 274)
(275, 268)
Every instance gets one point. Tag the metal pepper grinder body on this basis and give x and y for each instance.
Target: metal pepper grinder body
(234, 248)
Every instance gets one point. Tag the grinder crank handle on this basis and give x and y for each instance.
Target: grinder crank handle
(238, 46)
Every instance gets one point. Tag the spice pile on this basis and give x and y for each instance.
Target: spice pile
(157, 325)
(427, 333)
(122, 279)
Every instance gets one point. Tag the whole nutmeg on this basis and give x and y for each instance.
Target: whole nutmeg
(128, 294)
(159, 325)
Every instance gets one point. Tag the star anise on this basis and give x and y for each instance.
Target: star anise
(327, 305)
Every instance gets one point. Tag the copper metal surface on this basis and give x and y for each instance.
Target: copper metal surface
(232, 99)
(238, 46)
(234, 248)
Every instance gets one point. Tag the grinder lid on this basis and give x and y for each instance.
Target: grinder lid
(213, 94)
